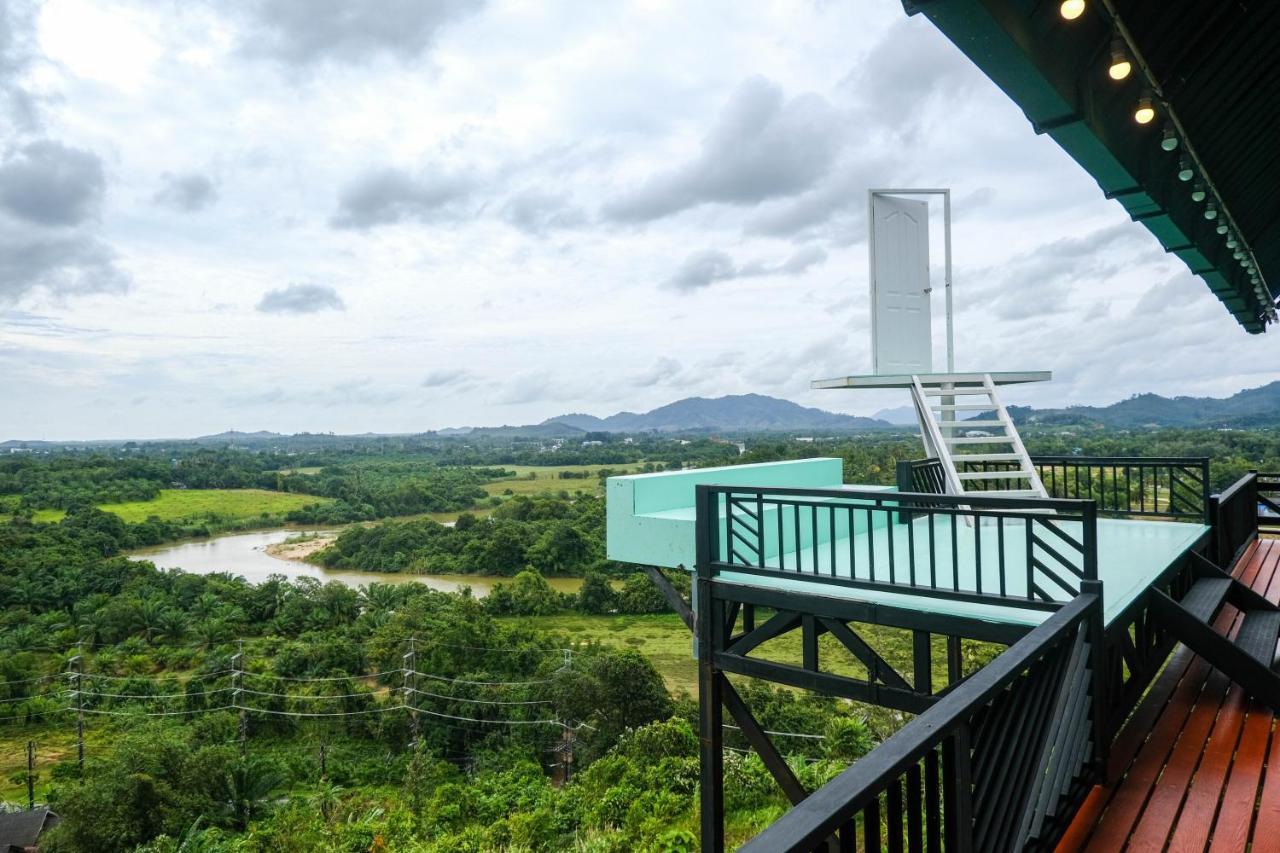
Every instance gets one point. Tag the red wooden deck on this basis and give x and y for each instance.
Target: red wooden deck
(1207, 774)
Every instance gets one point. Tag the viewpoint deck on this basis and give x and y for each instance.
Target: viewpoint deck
(1199, 762)
(1132, 554)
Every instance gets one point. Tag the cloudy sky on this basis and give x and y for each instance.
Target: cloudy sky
(321, 215)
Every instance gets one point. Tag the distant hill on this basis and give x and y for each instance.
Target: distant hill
(1249, 408)
(735, 413)
(232, 436)
(901, 416)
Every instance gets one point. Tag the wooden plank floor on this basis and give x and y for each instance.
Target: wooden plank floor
(1207, 774)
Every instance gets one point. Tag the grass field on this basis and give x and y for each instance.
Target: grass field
(547, 479)
(195, 504)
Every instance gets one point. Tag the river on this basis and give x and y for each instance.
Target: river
(245, 554)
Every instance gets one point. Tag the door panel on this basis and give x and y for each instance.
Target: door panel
(901, 334)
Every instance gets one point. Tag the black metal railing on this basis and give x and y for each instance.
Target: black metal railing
(1024, 552)
(1234, 514)
(1000, 763)
(1122, 486)
(1269, 503)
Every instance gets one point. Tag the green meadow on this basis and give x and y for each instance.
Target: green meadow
(548, 479)
(199, 504)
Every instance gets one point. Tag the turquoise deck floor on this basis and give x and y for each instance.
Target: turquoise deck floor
(1131, 554)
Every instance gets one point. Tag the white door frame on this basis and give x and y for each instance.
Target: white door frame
(946, 240)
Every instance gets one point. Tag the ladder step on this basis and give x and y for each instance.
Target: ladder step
(1258, 633)
(1205, 597)
(973, 391)
(983, 439)
(971, 425)
(964, 407)
(986, 457)
(1005, 493)
(994, 475)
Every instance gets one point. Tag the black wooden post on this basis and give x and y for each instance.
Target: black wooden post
(710, 692)
(1089, 540)
(955, 668)
(1206, 489)
(1096, 634)
(922, 661)
(1214, 513)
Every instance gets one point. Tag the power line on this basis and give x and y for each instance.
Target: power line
(782, 734)
(149, 713)
(155, 678)
(481, 701)
(303, 696)
(485, 683)
(29, 698)
(154, 695)
(320, 678)
(31, 680)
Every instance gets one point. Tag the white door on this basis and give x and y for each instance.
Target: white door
(901, 337)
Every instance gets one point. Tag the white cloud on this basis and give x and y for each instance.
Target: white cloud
(514, 187)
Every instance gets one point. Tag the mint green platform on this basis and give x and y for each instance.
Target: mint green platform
(1131, 554)
(651, 519)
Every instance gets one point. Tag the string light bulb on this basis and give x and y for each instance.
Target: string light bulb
(1071, 9)
(1232, 242)
(1146, 112)
(1211, 211)
(1120, 67)
(1197, 193)
(1185, 172)
(1222, 228)
(1169, 139)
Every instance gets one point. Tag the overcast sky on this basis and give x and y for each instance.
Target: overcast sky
(396, 216)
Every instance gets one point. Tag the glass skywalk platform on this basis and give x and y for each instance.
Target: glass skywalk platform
(795, 526)
(1131, 555)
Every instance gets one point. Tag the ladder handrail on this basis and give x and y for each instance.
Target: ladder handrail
(1012, 432)
(930, 428)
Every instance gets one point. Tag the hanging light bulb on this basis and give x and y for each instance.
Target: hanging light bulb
(1120, 67)
(1222, 228)
(1169, 139)
(1185, 172)
(1197, 193)
(1071, 9)
(1145, 113)
(1237, 254)
(1211, 211)
(1232, 242)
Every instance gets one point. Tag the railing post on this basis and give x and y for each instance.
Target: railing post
(1213, 515)
(957, 791)
(1206, 489)
(906, 483)
(1089, 519)
(1096, 634)
(710, 691)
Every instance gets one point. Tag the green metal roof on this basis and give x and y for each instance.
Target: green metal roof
(1211, 70)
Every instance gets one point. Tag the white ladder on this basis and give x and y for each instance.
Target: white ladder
(944, 434)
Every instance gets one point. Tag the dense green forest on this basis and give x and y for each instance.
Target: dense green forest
(295, 715)
(167, 660)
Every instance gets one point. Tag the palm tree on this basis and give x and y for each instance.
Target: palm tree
(380, 597)
(148, 614)
(172, 624)
(327, 798)
(247, 789)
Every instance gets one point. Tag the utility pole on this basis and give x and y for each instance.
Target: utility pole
(31, 775)
(75, 673)
(410, 665)
(237, 661)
